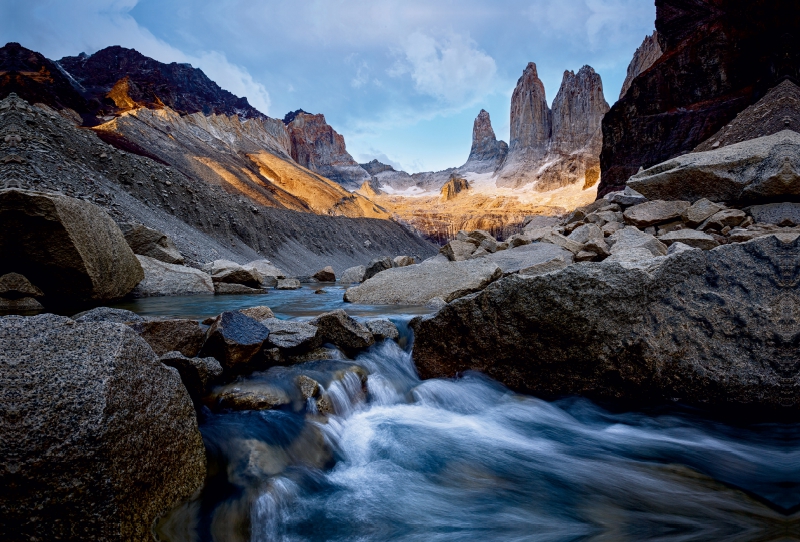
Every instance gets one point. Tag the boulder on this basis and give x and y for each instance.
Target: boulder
(529, 256)
(764, 168)
(483, 239)
(561, 241)
(184, 336)
(164, 279)
(70, 249)
(224, 288)
(149, 242)
(679, 329)
(269, 273)
(458, 251)
(235, 340)
(250, 395)
(353, 275)
(632, 255)
(381, 329)
(376, 266)
(20, 304)
(632, 237)
(108, 442)
(725, 218)
(626, 197)
(585, 233)
(228, 272)
(291, 335)
(700, 211)
(692, 238)
(779, 214)
(656, 212)
(325, 275)
(197, 374)
(288, 284)
(338, 328)
(418, 284)
(107, 314)
(403, 261)
(259, 313)
(15, 286)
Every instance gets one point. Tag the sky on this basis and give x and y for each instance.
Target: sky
(401, 80)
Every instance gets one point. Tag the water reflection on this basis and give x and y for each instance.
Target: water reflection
(468, 460)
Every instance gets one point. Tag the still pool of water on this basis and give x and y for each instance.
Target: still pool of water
(467, 460)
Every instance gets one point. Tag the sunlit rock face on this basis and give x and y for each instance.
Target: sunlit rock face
(317, 146)
(720, 57)
(550, 149)
(644, 57)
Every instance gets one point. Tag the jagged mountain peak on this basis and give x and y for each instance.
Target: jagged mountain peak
(293, 115)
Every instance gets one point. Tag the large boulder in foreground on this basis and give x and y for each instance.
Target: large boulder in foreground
(98, 439)
(70, 249)
(418, 284)
(165, 279)
(705, 327)
(765, 168)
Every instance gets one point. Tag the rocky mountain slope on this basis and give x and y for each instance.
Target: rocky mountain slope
(317, 146)
(720, 57)
(644, 57)
(554, 148)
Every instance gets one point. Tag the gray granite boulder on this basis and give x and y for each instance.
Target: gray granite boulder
(376, 266)
(381, 329)
(418, 284)
(692, 238)
(779, 214)
(632, 237)
(291, 335)
(715, 327)
(168, 335)
(340, 329)
(98, 439)
(529, 256)
(149, 242)
(656, 212)
(288, 284)
(353, 275)
(164, 279)
(107, 314)
(197, 374)
(70, 249)
(235, 340)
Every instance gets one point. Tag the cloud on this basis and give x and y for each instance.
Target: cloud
(452, 69)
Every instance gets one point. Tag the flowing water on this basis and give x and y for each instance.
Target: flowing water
(468, 460)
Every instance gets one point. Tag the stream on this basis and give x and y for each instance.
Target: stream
(440, 460)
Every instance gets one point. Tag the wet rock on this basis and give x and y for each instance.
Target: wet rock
(149, 242)
(382, 328)
(107, 314)
(223, 288)
(632, 237)
(700, 211)
(403, 261)
(288, 284)
(458, 251)
(656, 212)
(353, 275)
(291, 335)
(692, 238)
(325, 275)
(164, 279)
(184, 336)
(235, 340)
(376, 266)
(197, 374)
(338, 328)
(259, 313)
(529, 256)
(608, 331)
(70, 249)
(109, 440)
(418, 284)
(780, 214)
(250, 395)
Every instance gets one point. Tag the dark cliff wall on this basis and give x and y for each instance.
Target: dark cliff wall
(720, 57)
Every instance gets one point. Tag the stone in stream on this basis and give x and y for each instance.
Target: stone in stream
(224, 288)
(338, 328)
(235, 340)
(353, 275)
(149, 242)
(184, 336)
(291, 335)
(108, 442)
(71, 250)
(250, 395)
(325, 274)
(418, 284)
(228, 272)
(197, 374)
(164, 279)
(381, 329)
(609, 331)
(258, 313)
(288, 284)
(376, 266)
